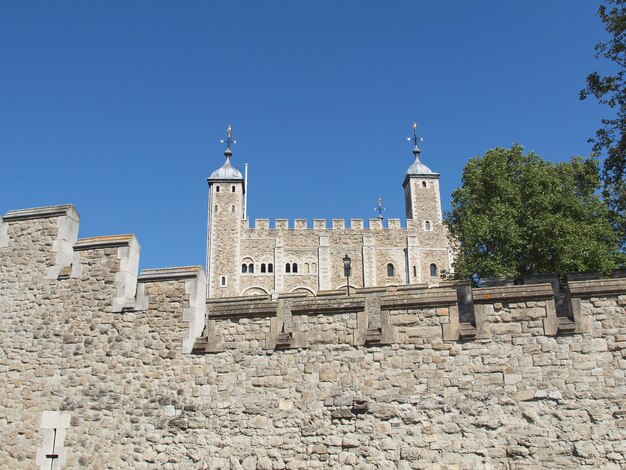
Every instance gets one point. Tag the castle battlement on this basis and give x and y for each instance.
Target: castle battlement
(98, 355)
(323, 225)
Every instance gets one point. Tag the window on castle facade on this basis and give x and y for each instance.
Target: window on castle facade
(233, 189)
(414, 271)
(270, 268)
(433, 270)
(423, 184)
(306, 268)
(232, 208)
(217, 188)
(251, 268)
(244, 268)
(287, 268)
(216, 208)
(223, 281)
(262, 267)
(390, 270)
(314, 268)
(427, 226)
(294, 268)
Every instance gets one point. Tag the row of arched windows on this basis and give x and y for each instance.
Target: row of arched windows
(292, 268)
(249, 268)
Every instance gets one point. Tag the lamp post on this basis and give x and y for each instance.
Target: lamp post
(347, 266)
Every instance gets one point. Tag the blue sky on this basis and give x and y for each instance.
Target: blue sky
(118, 107)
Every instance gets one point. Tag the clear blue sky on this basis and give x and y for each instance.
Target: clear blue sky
(117, 107)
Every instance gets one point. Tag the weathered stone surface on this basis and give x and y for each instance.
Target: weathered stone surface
(514, 397)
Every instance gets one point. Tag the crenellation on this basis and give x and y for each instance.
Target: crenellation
(356, 224)
(338, 224)
(375, 224)
(281, 224)
(393, 224)
(319, 224)
(301, 224)
(262, 224)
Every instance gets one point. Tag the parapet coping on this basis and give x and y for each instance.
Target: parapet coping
(427, 298)
(38, 212)
(513, 293)
(264, 308)
(169, 274)
(314, 306)
(615, 286)
(107, 241)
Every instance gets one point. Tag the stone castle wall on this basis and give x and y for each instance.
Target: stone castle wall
(142, 371)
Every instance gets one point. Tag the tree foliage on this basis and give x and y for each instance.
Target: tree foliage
(517, 214)
(610, 90)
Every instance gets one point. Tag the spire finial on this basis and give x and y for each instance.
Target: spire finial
(380, 208)
(229, 140)
(415, 140)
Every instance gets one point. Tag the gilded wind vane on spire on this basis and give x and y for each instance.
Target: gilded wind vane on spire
(229, 140)
(380, 208)
(415, 138)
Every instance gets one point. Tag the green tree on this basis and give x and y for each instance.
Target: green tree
(517, 214)
(610, 90)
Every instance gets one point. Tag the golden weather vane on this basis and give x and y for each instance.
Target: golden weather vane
(415, 138)
(229, 140)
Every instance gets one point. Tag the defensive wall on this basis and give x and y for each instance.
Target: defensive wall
(105, 367)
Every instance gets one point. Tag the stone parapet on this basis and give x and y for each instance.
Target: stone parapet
(389, 377)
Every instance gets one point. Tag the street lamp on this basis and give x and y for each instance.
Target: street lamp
(347, 266)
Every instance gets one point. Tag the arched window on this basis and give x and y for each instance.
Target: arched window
(390, 270)
(270, 268)
(217, 188)
(251, 268)
(433, 270)
(223, 281)
(262, 267)
(244, 268)
(306, 268)
(314, 268)
(233, 189)
(423, 184)
(232, 208)
(414, 271)
(287, 268)
(294, 268)
(427, 225)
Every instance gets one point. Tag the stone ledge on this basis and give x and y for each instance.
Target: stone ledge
(328, 305)
(616, 286)
(248, 309)
(38, 212)
(108, 241)
(424, 298)
(516, 293)
(169, 274)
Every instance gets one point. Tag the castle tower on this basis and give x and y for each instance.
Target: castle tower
(428, 253)
(225, 212)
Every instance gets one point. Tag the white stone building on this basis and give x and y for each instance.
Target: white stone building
(293, 257)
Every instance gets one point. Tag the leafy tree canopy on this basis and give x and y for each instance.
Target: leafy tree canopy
(517, 214)
(610, 90)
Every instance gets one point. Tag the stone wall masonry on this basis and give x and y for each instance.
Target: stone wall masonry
(383, 378)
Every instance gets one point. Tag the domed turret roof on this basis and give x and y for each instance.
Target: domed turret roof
(418, 168)
(226, 171)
